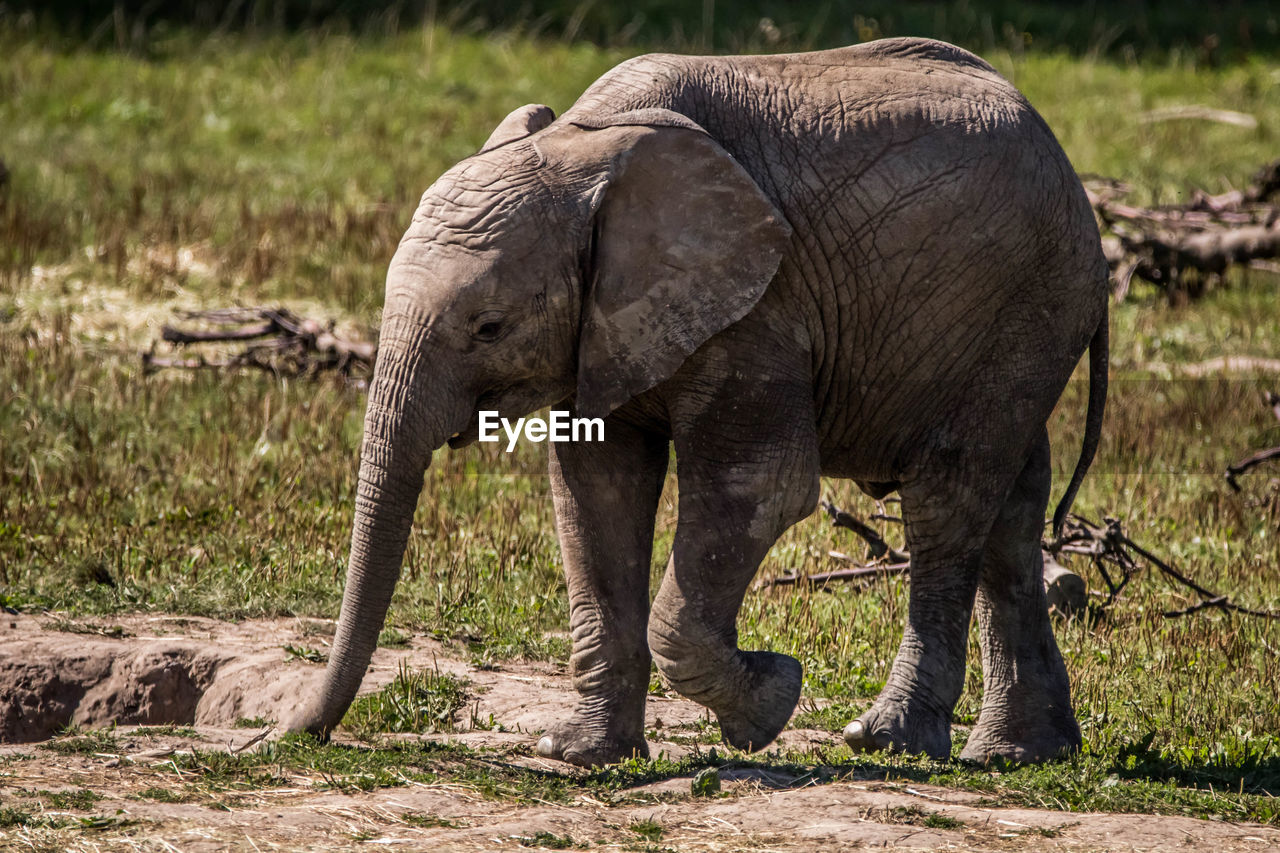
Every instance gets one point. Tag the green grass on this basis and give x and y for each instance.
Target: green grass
(166, 730)
(251, 723)
(917, 816)
(647, 829)
(1091, 781)
(392, 638)
(415, 701)
(15, 817)
(213, 170)
(81, 799)
(162, 795)
(428, 821)
(305, 654)
(76, 741)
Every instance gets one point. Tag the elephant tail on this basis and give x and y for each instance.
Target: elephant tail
(1098, 356)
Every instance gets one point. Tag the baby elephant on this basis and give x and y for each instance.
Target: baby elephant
(873, 263)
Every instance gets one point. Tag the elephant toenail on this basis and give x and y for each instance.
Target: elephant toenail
(853, 735)
(546, 747)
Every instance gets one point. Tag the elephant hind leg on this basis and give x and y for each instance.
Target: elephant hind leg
(949, 510)
(1026, 705)
(945, 532)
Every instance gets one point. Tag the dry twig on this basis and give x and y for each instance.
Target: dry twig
(1272, 399)
(1117, 558)
(875, 542)
(289, 345)
(1109, 544)
(820, 578)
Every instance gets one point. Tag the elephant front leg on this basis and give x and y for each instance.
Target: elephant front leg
(606, 495)
(731, 512)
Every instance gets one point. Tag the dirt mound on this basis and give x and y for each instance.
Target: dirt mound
(49, 686)
(110, 675)
(194, 671)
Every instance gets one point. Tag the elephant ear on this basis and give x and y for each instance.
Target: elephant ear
(518, 124)
(684, 245)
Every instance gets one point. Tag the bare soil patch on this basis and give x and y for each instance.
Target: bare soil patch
(206, 676)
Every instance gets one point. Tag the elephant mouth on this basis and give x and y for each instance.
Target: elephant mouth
(467, 436)
(471, 433)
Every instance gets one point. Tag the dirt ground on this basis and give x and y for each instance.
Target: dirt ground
(208, 674)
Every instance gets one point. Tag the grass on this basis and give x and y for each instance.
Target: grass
(428, 821)
(917, 816)
(15, 817)
(1091, 781)
(162, 795)
(251, 723)
(81, 799)
(415, 701)
(647, 829)
(547, 841)
(305, 654)
(211, 170)
(75, 741)
(167, 730)
(392, 638)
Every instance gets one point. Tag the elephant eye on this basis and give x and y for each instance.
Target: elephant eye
(487, 329)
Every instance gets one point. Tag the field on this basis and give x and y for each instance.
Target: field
(280, 167)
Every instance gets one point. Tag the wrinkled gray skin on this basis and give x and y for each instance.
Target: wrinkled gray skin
(873, 263)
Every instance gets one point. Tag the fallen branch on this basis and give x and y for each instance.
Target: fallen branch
(1185, 247)
(1217, 365)
(1266, 184)
(875, 542)
(1064, 589)
(1198, 111)
(1116, 546)
(1115, 556)
(1233, 471)
(840, 575)
(285, 344)
(1203, 605)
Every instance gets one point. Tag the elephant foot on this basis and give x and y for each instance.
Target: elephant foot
(582, 742)
(894, 726)
(766, 707)
(997, 739)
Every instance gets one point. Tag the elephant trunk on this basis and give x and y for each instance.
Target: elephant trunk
(400, 433)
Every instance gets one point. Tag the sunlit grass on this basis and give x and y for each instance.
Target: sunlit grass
(415, 701)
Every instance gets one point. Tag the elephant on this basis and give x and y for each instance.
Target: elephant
(873, 263)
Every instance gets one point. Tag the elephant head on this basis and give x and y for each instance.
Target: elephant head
(585, 257)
